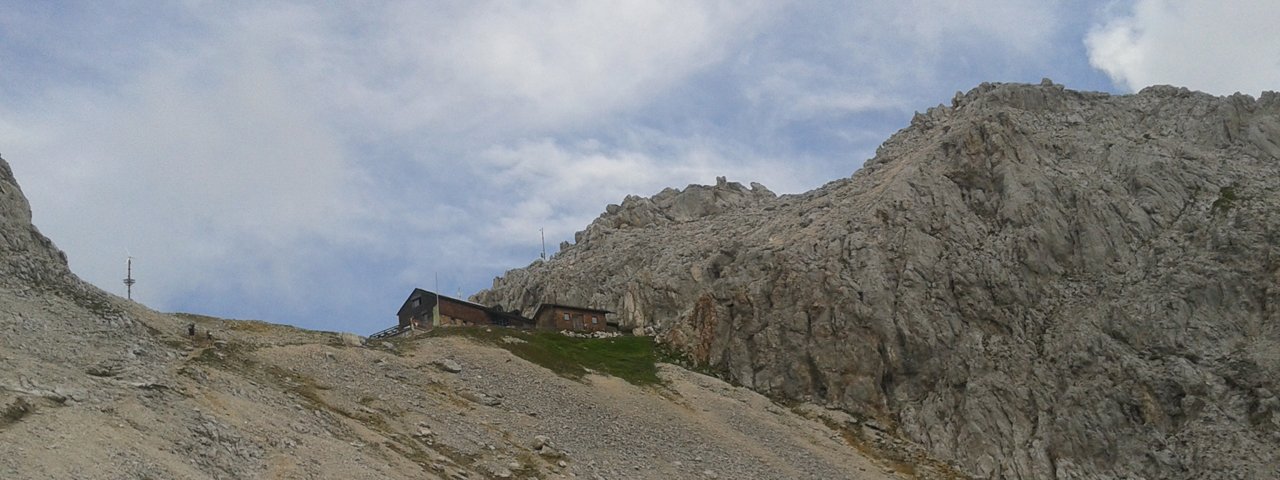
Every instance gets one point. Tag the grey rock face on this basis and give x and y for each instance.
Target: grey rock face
(41, 298)
(29, 257)
(676, 206)
(1031, 282)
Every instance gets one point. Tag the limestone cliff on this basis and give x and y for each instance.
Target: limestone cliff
(1032, 282)
(29, 257)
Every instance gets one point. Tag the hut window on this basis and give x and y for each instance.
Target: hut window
(417, 301)
(566, 317)
(593, 319)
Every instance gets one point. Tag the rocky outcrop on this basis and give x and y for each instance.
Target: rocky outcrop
(29, 257)
(1032, 282)
(676, 206)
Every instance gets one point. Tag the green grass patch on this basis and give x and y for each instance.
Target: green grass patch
(1227, 198)
(627, 357)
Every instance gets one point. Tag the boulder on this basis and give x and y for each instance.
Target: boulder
(350, 339)
(449, 365)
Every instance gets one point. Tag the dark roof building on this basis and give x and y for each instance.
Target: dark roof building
(420, 311)
(568, 317)
(425, 310)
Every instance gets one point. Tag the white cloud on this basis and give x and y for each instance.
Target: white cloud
(934, 26)
(910, 42)
(13, 133)
(802, 90)
(882, 58)
(1218, 47)
(567, 60)
(197, 162)
(531, 66)
(258, 152)
(222, 143)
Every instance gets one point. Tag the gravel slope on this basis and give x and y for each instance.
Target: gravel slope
(267, 401)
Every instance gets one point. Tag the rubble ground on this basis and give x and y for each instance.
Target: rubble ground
(268, 401)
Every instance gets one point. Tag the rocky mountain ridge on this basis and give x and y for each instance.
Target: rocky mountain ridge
(1031, 282)
(94, 386)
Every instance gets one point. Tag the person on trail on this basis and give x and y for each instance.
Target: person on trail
(208, 334)
(191, 330)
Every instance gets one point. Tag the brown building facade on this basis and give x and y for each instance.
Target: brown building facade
(567, 317)
(419, 311)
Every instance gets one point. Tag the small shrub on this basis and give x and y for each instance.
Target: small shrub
(16, 411)
(668, 354)
(1226, 199)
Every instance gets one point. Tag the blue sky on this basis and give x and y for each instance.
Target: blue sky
(311, 162)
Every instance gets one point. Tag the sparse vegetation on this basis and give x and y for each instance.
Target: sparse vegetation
(251, 326)
(528, 467)
(397, 345)
(15, 411)
(1226, 199)
(411, 452)
(633, 359)
(667, 354)
(910, 464)
(254, 326)
(195, 317)
(232, 358)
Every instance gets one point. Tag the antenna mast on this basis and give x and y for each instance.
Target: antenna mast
(544, 243)
(128, 279)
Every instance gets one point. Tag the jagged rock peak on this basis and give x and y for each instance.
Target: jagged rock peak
(675, 206)
(29, 257)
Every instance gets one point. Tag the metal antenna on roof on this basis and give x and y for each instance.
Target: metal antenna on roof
(128, 278)
(544, 243)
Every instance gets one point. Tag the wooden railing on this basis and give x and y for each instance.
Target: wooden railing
(390, 332)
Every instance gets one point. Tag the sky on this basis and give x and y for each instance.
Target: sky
(310, 163)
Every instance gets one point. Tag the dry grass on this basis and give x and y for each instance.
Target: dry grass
(253, 326)
(16, 411)
(907, 464)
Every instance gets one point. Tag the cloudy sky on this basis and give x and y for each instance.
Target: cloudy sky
(311, 162)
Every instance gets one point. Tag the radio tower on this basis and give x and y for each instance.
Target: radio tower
(128, 280)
